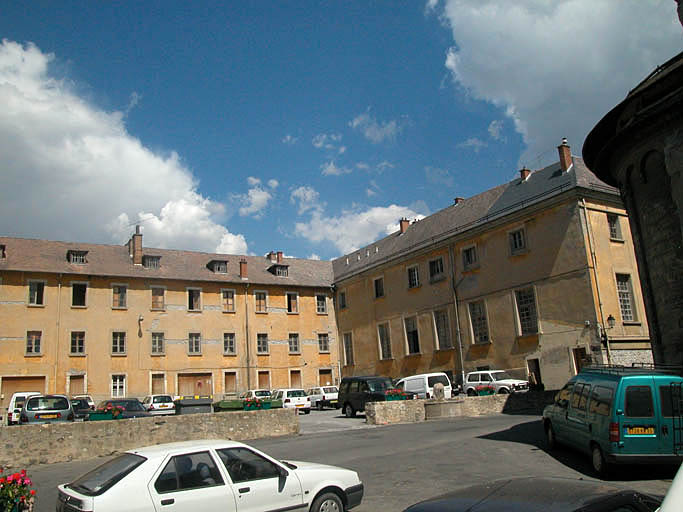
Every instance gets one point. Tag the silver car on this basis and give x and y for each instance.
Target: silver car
(46, 409)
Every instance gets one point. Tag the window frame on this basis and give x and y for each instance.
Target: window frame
(441, 275)
(123, 352)
(375, 290)
(189, 290)
(163, 298)
(448, 329)
(224, 304)
(76, 353)
(290, 337)
(194, 337)
(113, 295)
(124, 382)
(41, 304)
(520, 326)
(417, 331)
(258, 339)
(416, 269)
(348, 348)
(232, 352)
(343, 302)
(485, 317)
(85, 297)
(265, 302)
(163, 344)
(634, 317)
(317, 304)
(295, 310)
(382, 355)
(472, 250)
(321, 349)
(147, 260)
(514, 251)
(33, 352)
(614, 227)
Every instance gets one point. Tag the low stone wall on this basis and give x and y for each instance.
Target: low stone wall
(396, 411)
(60, 442)
(410, 411)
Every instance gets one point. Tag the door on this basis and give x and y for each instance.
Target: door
(264, 380)
(11, 385)
(76, 385)
(416, 386)
(639, 424)
(158, 387)
(190, 384)
(578, 430)
(325, 377)
(259, 484)
(230, 383)
(295, 378)
(191, 482)
(580, 358)
(599, 415)
(560, 411)
(671, 421)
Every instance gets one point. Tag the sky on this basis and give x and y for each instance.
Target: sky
(308, 127)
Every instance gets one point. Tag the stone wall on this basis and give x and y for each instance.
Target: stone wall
(42, 444)
(396, 411)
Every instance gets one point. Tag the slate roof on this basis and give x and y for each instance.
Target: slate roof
(31, 255)
(472, 212)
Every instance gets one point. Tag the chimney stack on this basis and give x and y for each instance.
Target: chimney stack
(524, 173)
(271, 256)
(135, 246)
(279, 256)
(458, 200)
(243, 269)
(403, 224)
(565, 155)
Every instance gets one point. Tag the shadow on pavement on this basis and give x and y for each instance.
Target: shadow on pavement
(531, 433)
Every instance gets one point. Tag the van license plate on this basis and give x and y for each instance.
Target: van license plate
(640, 431)
(299, 405)
(47, 416)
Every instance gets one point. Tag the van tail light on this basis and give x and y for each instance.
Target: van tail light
(151, 407)
(428, 395)
(9, 416)
(287, 400)
(614, 432)
(308, 398)
(23, 418)
(323, 397)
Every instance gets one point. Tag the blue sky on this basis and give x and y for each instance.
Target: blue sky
(307, 127)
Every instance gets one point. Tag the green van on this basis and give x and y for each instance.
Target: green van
(619, 415)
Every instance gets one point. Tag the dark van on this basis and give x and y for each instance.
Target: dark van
(619, 415)
(355, 392)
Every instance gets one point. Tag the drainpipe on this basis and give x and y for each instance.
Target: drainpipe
(246, 321)
(457, 315)
(597, 282)
(59, 328)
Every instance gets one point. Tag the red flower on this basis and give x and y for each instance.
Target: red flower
(2, 480)
(33, 492)
(23, 472)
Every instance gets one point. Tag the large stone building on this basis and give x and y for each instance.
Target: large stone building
(129, 321)
(638, 146)
(534, 276)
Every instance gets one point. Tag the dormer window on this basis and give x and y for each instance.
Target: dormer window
(219, 266)
(77, 257)
(151, 261)
(2, 251)
(279, 270)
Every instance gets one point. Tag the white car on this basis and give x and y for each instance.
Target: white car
(260, 394)
(323, 396)
(499, 380)
(294, 398)
(16, 403)
(159, 405)
(210, 476)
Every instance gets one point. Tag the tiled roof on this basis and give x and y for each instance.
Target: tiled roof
(493, 203)
(29, 255)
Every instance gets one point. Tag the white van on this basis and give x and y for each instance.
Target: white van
(423, 384)
(15, 405)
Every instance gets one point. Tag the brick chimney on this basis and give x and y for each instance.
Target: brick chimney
(279, 256)
(135, 246)
(403, 224)
(243, 269)
(524, 173)
(271, 256)
(458, 200)
(565, 155)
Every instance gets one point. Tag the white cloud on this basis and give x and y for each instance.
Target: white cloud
(255, 201)
(495, 127)
(363, 166)
(331, 169)
(132, 103)
(342, 150)
(431, 5)
(326, 141)
(370, 192)
(437, 176)
(375, 131)
(555, 68)
(307, 198)
(253, 182)
(314, 256)
(71, 171)
(474, 143)
(289, 140)
(354, 228)
(273, 183)
(382, 166)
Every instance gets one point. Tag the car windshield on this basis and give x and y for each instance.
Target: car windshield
(442, 379)
(105, 476)
(501, 376)
(163, 399)
(296, 392)
(126, 405)
(262, 393)
(379, 385)
(79, 403)
(47, 403)
(330, 390)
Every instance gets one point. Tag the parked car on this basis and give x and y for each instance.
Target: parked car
(501, 381)
(423, 384)
(81, 408)
(16, 403)
(618, 415)
(261, 394)
(159, 405)
(293, 398)
(541, 494)
(130, 407)
(46, 409)
(88, 399)
(323, 396)
(355, 392)
(210, 476)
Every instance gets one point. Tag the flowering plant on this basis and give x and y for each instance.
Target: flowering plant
(115, 410)
(485, 389)
(15, 492)
(394, 392)
(253, 402)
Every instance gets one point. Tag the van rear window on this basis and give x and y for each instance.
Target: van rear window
(639, 402)
(438, 378)
(601, 401)
(671, 406)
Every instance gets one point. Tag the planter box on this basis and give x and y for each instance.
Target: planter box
(485, 392)
(395, 397)
(100, 416)
(228, 405)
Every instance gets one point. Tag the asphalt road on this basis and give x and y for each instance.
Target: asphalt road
(403, 464)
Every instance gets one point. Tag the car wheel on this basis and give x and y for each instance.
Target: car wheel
(319, 405)
(503, 391)
(550, 436)
(599, 463)
(349, 412)
(471, 392)
(328, 502)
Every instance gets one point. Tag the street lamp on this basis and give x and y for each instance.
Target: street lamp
(611, 322)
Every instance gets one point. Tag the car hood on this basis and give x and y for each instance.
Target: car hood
(511, 381)
(312, 473)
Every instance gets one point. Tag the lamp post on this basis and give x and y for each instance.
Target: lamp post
(611, 322)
